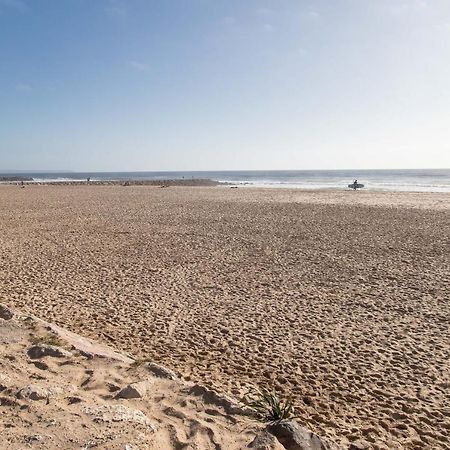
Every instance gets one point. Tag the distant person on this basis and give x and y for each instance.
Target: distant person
(355, 185)
(88, 179)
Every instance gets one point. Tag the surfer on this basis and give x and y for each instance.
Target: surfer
(355, 185)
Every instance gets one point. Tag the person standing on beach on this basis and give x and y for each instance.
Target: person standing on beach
(355, 185)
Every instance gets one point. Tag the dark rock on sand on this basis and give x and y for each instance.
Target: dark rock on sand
(265, 441)
(295, 437)
(160, 371)
(41, 350)
(135, 390)
(5, 313)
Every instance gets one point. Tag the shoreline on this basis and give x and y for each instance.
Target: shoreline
(223, 193)
(206, 182)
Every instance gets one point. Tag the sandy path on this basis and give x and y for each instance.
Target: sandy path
(341, 299)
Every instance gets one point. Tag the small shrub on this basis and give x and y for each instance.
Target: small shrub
(270, 407)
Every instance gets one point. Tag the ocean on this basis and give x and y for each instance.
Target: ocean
(415, 180)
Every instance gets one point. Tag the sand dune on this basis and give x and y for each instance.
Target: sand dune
(61, 391)
(340, 298)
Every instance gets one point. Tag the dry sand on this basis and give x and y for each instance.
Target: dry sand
(340, 298)
(59, 390)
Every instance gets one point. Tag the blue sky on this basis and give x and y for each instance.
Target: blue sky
(224, 84)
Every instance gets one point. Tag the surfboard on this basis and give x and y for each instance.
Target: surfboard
(358, 186)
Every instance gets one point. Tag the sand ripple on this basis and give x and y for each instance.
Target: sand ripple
(343, 301)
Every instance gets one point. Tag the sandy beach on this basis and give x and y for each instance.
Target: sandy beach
(338, 298)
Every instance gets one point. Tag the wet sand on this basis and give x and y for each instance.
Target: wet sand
(340, 298)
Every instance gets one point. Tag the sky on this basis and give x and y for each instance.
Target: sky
(116, 85)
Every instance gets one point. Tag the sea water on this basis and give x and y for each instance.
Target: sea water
(416, 180)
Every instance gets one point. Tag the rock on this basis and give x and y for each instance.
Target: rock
(34, 392)
(87, 355)
(265, 441)
(161, 372)
(34, 438)
(135, 390)
(39, 392)
(119, 413)
(112, 387)
(360, 444)
(41, 350)
(9, 401)
(173, 412)
(40, 365)
(6, 313)
(295, 437)
(87, 347)
(74, 400)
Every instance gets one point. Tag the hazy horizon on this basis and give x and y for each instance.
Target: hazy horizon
(223, 86)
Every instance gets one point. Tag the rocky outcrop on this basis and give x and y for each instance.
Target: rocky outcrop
(34, 392)
(161, 372)
(14, 179)
(6, 313)
(265, 441)
(295, 437)
(87, 347)
(41, 392)
(135, 390)
(42, 350)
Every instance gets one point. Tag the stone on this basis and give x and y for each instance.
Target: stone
(112, 387)
(134, 390)
(295, 437)
(360, 444)
(87, 347)
(40, 365)
(119, 413)
(161, 372)
(73, 400)
(41, 392)
(265, 441)
(41, 350)
(33, 438)
(34, 392)
(6, 313)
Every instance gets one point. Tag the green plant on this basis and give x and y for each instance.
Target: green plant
(270, 407)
